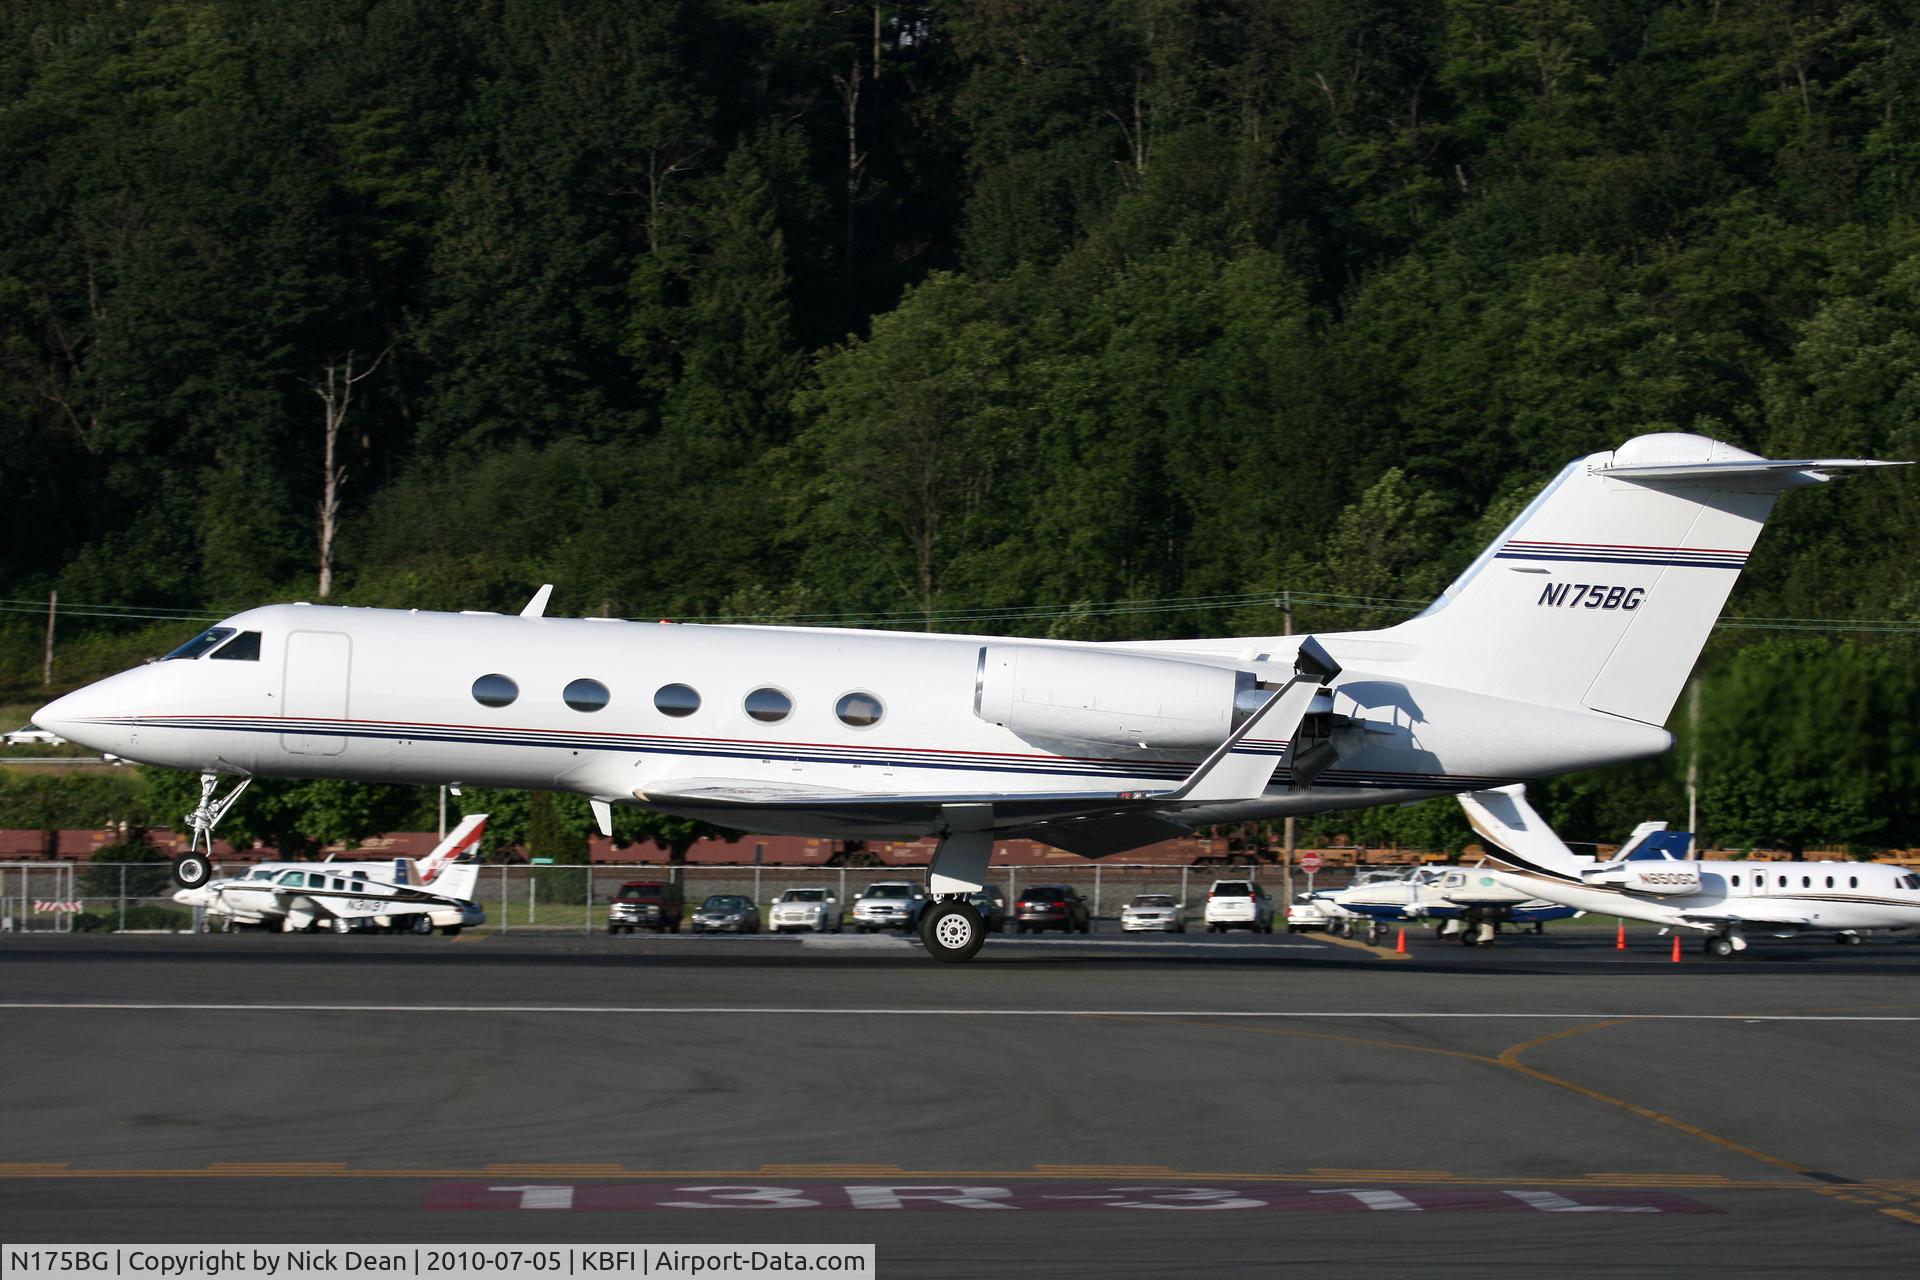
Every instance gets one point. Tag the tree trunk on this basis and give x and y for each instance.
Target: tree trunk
(335, 390)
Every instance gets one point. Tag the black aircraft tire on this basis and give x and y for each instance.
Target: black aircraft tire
(192, 870)
(952, 931)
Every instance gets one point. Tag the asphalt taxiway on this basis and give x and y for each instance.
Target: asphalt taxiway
(1099, 1106)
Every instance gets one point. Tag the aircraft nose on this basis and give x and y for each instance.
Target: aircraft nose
(73, 718)
(61, 715)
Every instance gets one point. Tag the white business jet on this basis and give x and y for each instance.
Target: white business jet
(1561, 647)
(434, 893)
(1653, 878)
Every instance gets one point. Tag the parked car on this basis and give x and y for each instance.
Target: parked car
(646, 904)
(1238, 904)
(1052, 906)
(992, 906)
(32, 737)
(889, 904)
(803, 909)
(1308, 913)
(1153, 913)
(727, 913)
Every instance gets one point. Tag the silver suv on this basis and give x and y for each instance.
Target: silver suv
(889, 904)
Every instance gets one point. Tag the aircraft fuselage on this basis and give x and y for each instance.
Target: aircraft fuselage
(614, 709)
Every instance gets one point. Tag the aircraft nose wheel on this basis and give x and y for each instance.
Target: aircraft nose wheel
(191, 870)
(952, 931)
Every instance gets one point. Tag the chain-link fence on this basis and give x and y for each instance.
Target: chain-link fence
(576, 898)
(562, 899)
(57, 897)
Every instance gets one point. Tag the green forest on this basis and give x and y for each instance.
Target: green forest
(1097, 320)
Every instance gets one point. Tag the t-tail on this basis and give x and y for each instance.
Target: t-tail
(1516, 834)
(1601, 594)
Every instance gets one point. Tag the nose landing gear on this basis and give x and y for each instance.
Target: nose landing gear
(194, 867)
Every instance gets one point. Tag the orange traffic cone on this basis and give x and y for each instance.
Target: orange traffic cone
(1620, 940)
(1400, 943)
(1676, 948)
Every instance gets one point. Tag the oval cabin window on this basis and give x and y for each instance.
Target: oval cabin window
(859, 710)
(676, 700)
(585, 695)
(495, 691)
(769, 706)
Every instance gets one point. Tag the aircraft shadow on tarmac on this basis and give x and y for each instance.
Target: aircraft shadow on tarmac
(1542, 957)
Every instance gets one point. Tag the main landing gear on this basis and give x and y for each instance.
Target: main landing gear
(194, 867)
(951, 929)
(1724, 946)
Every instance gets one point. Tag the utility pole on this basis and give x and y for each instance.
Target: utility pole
(53, 608)
(1287, 836)
(1693, 763)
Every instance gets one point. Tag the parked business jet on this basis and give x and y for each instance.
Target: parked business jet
(1654, 878)
(434, 893)
(1561, 647)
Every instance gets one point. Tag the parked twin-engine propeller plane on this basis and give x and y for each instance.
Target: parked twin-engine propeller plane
(1561, 647)
(434, 893)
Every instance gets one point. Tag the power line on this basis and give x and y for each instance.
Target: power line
(1027, 613)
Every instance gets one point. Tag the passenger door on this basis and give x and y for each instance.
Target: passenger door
(314, 687)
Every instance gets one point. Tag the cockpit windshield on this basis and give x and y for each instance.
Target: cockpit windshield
(200, 643)
(244, 647)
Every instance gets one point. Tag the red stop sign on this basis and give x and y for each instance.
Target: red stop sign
(1309, 862)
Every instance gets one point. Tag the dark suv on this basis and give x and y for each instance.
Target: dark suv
(646, 904)
(1052, 906)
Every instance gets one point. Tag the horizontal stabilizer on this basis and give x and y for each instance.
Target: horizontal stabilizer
(1757, 474)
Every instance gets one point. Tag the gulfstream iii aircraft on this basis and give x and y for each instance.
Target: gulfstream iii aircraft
(435, 892)
(1652, 878)
(1561, 647)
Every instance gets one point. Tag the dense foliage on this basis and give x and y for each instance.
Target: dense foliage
(932, 314)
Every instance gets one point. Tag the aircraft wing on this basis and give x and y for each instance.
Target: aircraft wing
(1093, 822)
(401, 895)
(1750, 915)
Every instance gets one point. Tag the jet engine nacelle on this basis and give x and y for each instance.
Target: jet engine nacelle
(1662, 878)
(1111, 699)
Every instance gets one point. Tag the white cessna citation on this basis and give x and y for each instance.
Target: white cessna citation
(1561, 647)
(434, 893)
(1653, 879)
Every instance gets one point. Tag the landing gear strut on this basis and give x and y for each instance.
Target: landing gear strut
(193, 868)
(951, 929)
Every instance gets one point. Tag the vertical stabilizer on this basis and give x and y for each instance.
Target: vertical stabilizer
(1515, 833)
(1602, 592)
(461, 845)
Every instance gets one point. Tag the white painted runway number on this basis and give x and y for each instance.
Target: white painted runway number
(939, 1197)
